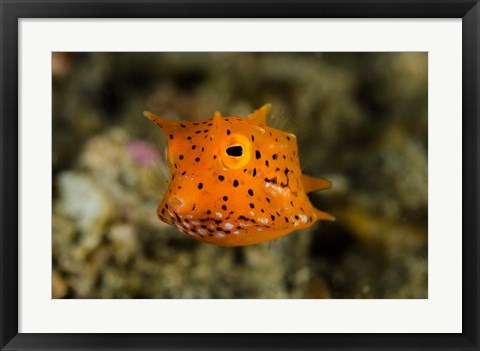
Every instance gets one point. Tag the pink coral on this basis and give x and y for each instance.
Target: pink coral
(143, 153)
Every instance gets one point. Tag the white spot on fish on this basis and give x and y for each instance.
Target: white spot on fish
(263, 220)
(236, 232)
(219, 215)
(303, 218)
(219, 235)
(228, 226)
(186, 225)
(195, 223)
(202, 231)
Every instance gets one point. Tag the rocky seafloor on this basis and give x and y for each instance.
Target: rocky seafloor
(361, 121)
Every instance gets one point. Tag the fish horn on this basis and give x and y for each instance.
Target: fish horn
(313, 184)
(323, 216)
(217, 121)
(165, 124)
(261, 114)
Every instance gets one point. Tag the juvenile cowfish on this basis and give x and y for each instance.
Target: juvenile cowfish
(235, 181)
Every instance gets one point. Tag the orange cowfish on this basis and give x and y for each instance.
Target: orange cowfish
(235, 181)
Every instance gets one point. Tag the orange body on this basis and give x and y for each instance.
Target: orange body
(235, 181)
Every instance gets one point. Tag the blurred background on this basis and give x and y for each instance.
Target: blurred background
(361, 121)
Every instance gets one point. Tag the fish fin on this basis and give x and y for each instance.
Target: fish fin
(272, 244)
(157, 179)
(323, 216)
(280, 121)
(261, 114)
(313, 184)
(217, 115)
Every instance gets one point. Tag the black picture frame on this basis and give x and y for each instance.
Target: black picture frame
(12, 11)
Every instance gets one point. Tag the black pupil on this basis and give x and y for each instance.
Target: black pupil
(235, 151)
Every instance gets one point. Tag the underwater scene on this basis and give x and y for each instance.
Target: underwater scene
(240, 175)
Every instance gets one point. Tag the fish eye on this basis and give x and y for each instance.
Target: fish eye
(234, 151)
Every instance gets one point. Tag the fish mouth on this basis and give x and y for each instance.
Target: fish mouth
(176, 203)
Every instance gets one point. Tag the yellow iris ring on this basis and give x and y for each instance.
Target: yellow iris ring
(235, 162)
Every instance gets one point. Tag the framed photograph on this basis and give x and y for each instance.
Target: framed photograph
(275, 174)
